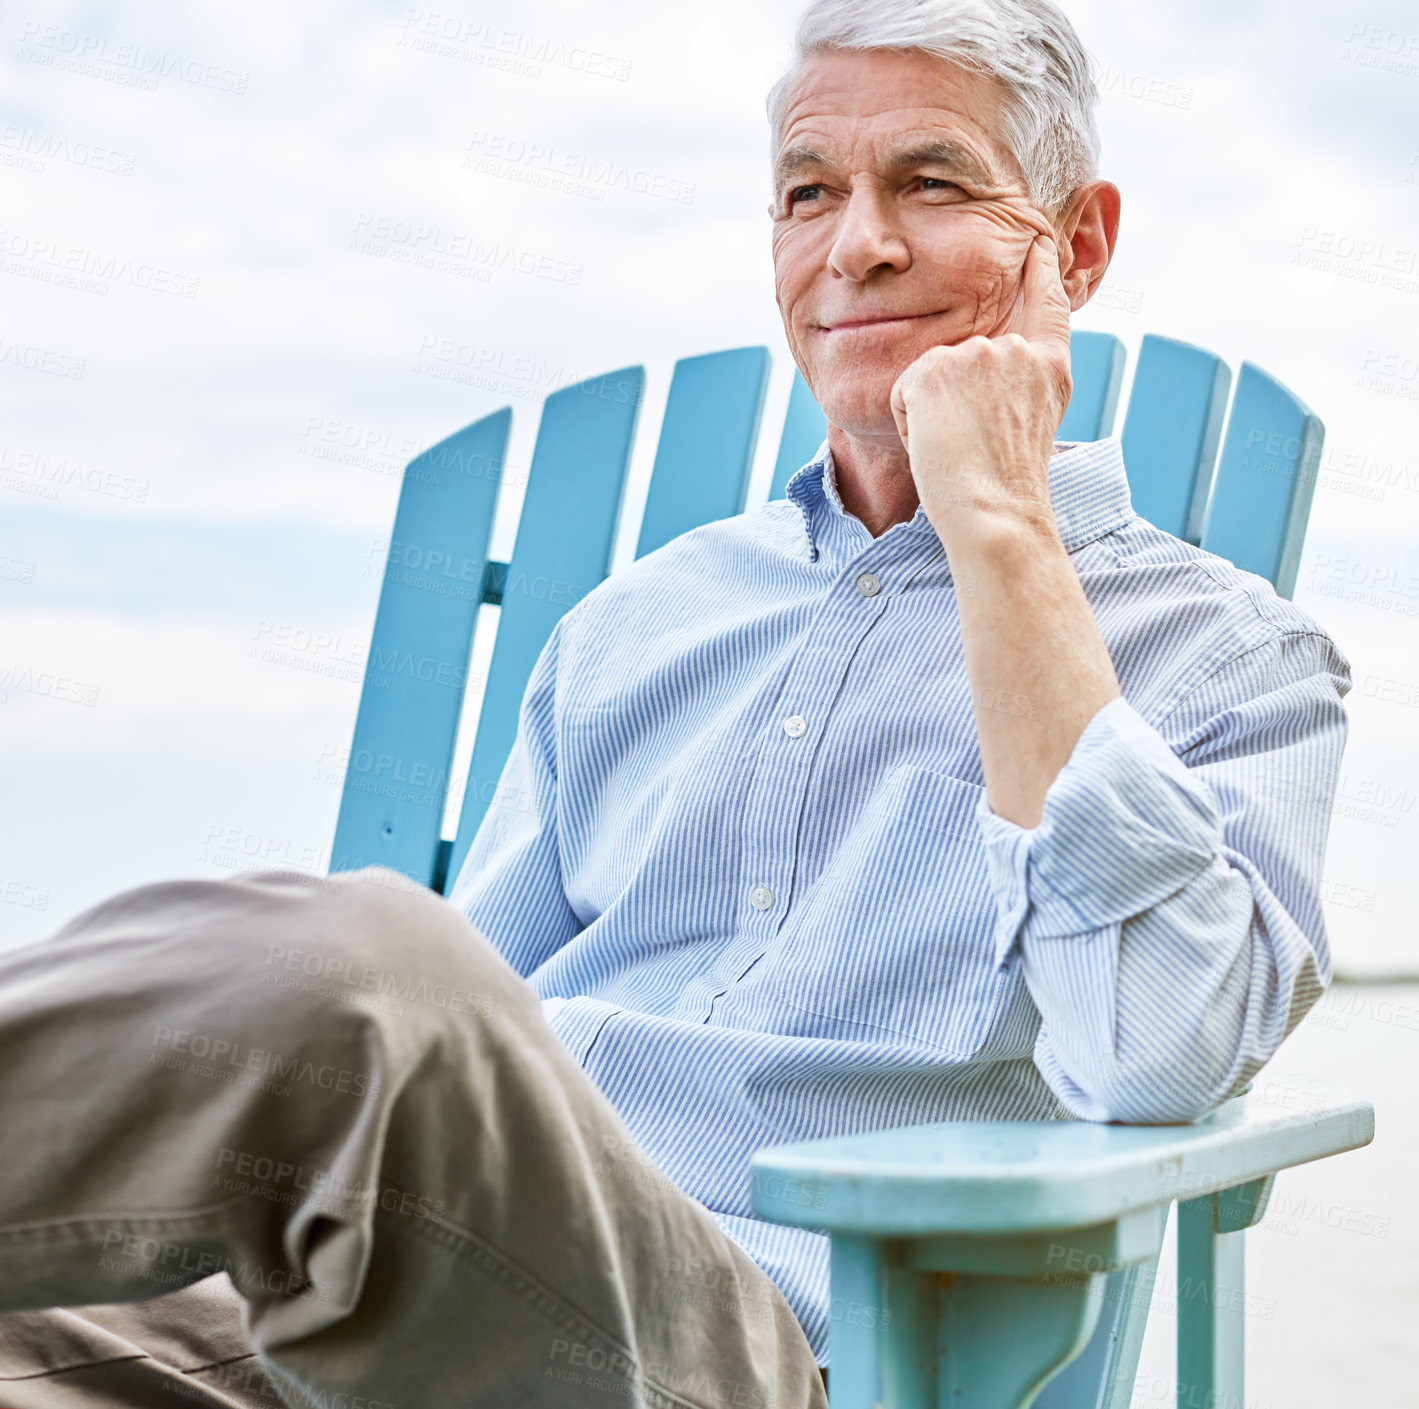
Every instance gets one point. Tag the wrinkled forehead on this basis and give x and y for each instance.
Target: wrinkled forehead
(890, 108)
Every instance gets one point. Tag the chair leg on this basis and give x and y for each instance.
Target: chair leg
(1212, 1294)
(1003, 1338)
(905, 1337)
(1104, 1373)
(881, 1329)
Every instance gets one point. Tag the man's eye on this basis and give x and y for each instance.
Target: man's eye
(802, 193)
(938, 183)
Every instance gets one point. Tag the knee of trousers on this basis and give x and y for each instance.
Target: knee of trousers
(269, 961)
(374, 941)
(277, 1015)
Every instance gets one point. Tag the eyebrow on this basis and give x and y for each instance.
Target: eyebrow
(936, 151)
(792, 160)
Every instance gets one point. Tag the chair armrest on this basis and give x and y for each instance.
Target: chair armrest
(1004, 1177)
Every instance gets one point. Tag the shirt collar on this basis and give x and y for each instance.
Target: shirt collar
(1088, 492)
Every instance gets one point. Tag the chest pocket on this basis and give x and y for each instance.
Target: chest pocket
(895, 936)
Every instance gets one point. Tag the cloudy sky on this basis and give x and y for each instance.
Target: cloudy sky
(213, 369)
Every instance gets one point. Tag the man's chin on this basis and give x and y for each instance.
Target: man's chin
(863, 413)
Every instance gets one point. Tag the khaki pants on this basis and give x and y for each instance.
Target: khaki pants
(306, 1141)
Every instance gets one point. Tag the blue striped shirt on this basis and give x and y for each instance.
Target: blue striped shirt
(742, 851)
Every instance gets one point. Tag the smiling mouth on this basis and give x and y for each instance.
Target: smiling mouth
(858, 324)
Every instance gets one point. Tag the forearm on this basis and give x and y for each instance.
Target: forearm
(1038, 667)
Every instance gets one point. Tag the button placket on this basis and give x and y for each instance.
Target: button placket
(778, 786)
(776, 795)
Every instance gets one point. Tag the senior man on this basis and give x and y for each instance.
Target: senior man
(946, 788)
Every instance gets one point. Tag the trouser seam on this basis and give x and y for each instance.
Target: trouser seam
(217, 1364)
(126, 1359)
(562, 1314)
(72, 1369)
(77, 1227)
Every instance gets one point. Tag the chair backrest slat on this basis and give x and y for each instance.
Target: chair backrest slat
(804, 427)
(562, 550)
(1265, 480)
(1096, 363)
(396, 779)
(1172, 431)
(706, 445)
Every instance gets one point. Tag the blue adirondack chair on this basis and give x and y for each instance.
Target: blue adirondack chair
(994, 1264)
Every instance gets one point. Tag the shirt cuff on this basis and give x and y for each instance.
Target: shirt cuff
(1124, 825)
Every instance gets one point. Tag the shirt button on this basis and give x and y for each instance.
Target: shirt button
(795, 726)
(868, 584)
(761, 898)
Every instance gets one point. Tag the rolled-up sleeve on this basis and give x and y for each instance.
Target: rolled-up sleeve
(510, 884)
(1166, 908)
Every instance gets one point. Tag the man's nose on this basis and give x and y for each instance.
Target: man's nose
(867, 237)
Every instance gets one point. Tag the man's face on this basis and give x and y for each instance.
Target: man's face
(901, 222)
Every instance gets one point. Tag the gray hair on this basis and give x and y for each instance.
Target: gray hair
(1028, 45)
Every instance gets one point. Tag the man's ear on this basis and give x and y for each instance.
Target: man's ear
(1087, 231)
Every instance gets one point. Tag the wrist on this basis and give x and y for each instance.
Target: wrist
(1000, 533)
